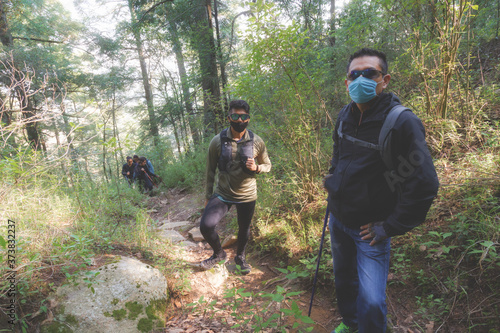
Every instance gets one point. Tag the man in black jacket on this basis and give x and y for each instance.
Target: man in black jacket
(128, 170)
(369, 204)
(144, 175)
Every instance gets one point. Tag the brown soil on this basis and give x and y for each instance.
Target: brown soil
(183, 206)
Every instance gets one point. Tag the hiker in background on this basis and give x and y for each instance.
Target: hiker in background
(148, 163)
(144, 175)
(233, 152)
(369, 203)
(128, 170)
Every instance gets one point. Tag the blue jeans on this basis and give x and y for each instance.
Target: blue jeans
(360, 277)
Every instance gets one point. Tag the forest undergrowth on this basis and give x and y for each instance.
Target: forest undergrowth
(444, 272)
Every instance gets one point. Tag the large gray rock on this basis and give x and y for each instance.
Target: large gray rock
(172, 225)
(127, 296)
(171, 235)
(229, 240)
(196, 235)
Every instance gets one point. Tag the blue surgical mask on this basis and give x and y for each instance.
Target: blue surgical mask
(363, 90)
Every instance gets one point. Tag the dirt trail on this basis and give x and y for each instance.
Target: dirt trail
(177, 205)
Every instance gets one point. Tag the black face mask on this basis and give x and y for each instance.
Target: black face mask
(239, 127)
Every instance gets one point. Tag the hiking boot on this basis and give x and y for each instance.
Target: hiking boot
(214, 260)
(343, 328)
(245, 268)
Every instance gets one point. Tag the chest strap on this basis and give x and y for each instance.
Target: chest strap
(356, 141)
(244, 148)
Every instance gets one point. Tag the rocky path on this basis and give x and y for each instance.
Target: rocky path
(178, 215)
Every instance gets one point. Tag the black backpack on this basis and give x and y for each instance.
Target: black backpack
(384, 138)
(225, 158)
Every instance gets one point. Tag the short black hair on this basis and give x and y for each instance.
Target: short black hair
(239, 104)
(129, 158)
(370, 52)
(135, 156)
(142, 159)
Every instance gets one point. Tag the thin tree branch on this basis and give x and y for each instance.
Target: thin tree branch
(39, 40)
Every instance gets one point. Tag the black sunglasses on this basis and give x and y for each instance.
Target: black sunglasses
(368, 73)
(236, 116)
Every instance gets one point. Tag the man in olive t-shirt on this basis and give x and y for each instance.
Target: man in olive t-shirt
(236, 182)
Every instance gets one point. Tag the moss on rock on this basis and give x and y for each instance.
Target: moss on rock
(119, 314)
(70, 319)
(56, 327)
(134, 308)
(145, 325)
(156, 311)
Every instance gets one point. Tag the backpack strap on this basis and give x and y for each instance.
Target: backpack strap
(356, 141)
(384, 139)
(225, 151)
(225, 158)
(353, 140)
(246, 152)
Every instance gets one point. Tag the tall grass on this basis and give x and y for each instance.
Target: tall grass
(59, 229)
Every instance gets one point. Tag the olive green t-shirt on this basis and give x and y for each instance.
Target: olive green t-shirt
(235, 184)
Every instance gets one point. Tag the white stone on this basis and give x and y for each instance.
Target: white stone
(217, 275)
(171, 235)
(195, 233)
(188, 244)
(128, 280)
(172, 225)
(229, 240)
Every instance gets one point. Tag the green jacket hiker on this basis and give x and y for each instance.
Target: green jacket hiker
(235, 184)
(236, 155)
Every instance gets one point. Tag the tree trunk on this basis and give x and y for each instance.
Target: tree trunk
(153, 125)
(184, 84)
(115, 128)
(104, 152)
(62, 162)
(5, 35)
(331, 39)
(498, 17)
(208, 67)
(25, 103)
(29, 115)
(222, 63)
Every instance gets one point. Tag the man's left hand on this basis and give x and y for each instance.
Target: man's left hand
(374, 231)
(251, 164)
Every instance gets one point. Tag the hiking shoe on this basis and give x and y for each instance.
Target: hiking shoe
(343, 328)
(214, 260)
(245, 268)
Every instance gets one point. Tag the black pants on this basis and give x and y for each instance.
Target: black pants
(215, 211)
(146, 183)
(129, 180)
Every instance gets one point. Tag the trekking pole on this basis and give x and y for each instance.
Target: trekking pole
(319, 258)
(152, 182)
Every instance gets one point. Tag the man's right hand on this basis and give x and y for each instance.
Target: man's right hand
(128, 173)
(325, 179)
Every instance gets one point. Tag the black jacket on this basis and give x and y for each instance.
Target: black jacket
(146, 174)
(126, 168)
(361, 190)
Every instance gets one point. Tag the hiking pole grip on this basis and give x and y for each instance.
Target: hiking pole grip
(319, 258)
